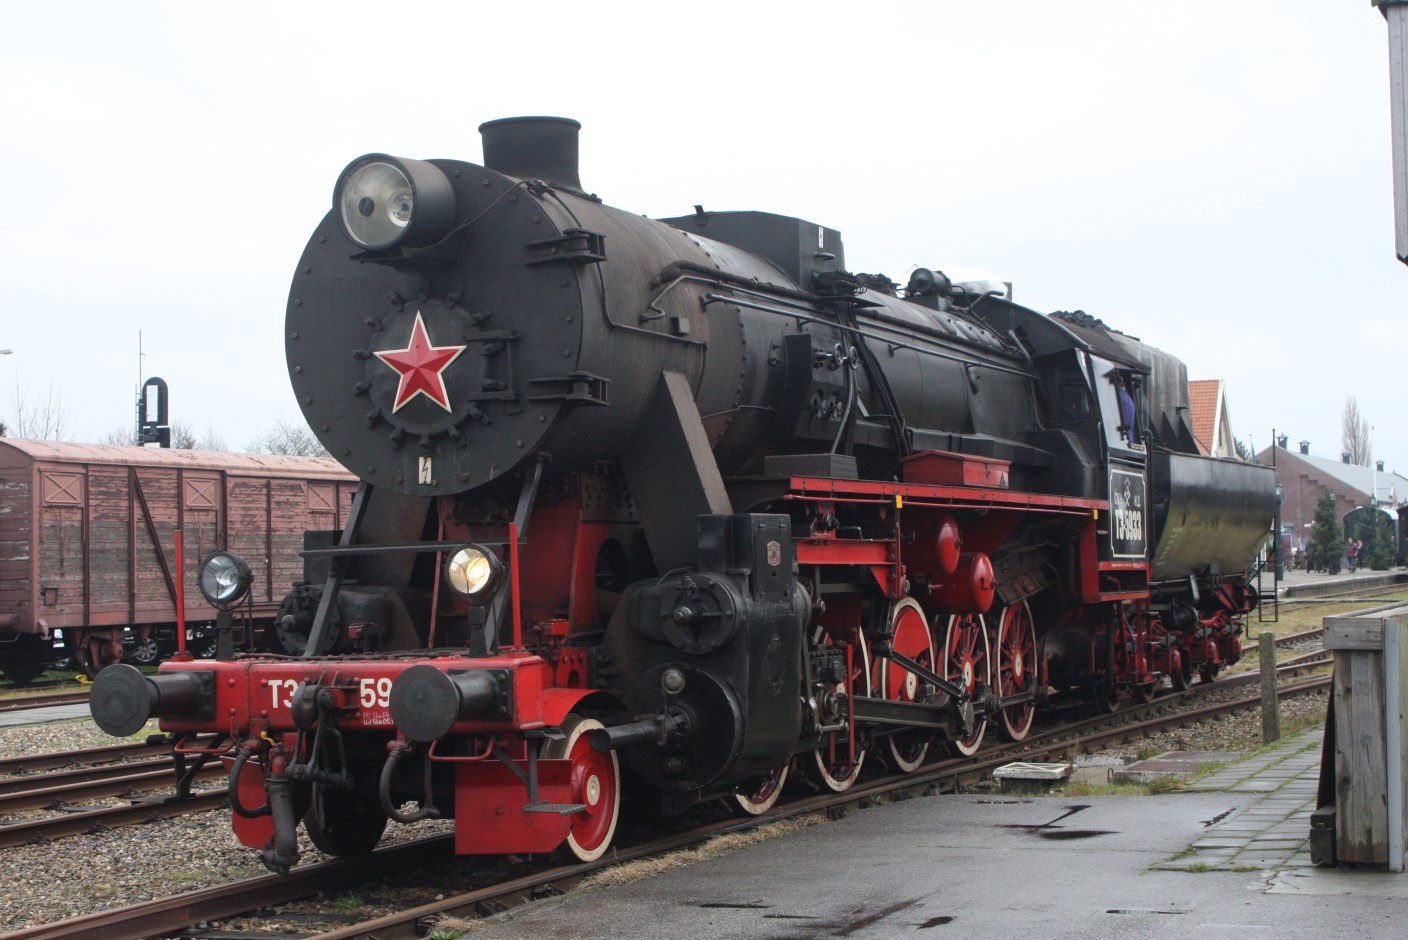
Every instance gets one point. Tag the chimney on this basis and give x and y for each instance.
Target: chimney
(1281, 440)
(1379, 465)
(542, 148)
(1344, 456)
(1305, 448)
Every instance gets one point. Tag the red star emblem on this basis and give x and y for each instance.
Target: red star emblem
(421, 367)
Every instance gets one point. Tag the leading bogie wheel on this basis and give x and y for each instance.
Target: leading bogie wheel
(343, 824)
(1017, 669)
(966, 658)
(760, 794)
(595, 785)
(837, 763)
(911, 638)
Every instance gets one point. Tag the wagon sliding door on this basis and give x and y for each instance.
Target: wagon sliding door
(203, 495)
(267, 518)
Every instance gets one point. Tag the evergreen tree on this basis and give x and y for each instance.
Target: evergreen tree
(1376, 531)
(1325, 548)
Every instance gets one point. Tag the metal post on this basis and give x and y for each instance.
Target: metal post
(1394, 729)
(1396, 14)
(1280, 553)
(1270, 707)
(224, 635)
(181, 656)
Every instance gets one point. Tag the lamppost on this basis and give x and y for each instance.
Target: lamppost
(1280, 555)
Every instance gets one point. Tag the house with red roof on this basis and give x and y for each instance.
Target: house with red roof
(1212, 428)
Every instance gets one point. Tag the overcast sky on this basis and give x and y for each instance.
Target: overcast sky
(1213, 177)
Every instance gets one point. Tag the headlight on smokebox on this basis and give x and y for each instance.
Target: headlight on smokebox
(384, 202)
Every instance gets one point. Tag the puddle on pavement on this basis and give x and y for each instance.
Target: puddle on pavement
(935, 922)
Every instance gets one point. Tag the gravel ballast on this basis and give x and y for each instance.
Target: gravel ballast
(115, 867)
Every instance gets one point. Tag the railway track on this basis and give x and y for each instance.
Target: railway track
(148, 769)
(1351, 594)
(177, 912)
(1316, 633)
(46, 700)
(36, 763)
(64, 782)
(67, 788)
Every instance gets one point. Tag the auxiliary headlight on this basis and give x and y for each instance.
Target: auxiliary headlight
(472, 571)
(386, 201)
(224, 578)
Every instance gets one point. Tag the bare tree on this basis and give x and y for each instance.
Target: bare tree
(1354, 434)
(182, 437)
(121, 435)
(210, 440)
(292, 440)
(39, 419)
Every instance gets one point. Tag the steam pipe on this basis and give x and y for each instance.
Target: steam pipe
(659, 730)
(427, 810)
(242, 758)
(282, 854)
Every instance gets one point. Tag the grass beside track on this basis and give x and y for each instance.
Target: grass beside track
(1297, 618)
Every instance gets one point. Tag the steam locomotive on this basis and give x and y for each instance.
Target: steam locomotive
(685, 495)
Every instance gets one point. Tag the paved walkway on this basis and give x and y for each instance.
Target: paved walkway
(1297, 582)
(1049, 867)
(1274, 831)
(32, 716)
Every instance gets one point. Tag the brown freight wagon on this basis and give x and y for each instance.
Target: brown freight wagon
(87, 544)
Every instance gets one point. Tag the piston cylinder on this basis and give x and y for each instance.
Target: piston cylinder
(971, 587)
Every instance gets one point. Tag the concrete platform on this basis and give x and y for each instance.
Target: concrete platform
(1227, 859)
(1177, 765)
(1310, 583)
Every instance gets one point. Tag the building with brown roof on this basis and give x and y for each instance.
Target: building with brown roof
(1305, 478)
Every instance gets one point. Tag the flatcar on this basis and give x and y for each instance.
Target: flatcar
(687, 499)
(87, 546)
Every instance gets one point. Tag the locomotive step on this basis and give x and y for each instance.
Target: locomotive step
(562, 809)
